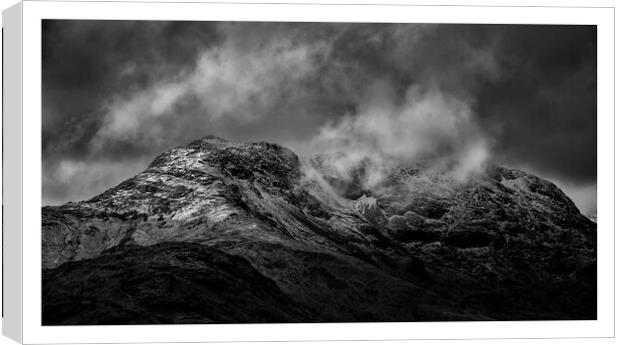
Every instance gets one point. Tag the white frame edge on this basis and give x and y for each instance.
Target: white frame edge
(18, 197)
(12, 172)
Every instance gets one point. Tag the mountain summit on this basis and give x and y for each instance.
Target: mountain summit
(226, 232)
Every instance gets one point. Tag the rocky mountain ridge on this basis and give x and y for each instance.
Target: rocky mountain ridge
(317, 245)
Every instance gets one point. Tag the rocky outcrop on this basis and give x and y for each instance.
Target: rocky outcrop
(416, 245)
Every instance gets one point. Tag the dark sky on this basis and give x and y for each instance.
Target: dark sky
(117, 93)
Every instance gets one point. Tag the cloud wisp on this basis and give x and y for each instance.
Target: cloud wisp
(231, 80)
(427, 126)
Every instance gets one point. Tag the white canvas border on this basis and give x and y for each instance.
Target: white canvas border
(34, 11)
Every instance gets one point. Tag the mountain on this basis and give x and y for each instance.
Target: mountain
(226, 232)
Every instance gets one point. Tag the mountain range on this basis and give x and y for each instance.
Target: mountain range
(224, 232)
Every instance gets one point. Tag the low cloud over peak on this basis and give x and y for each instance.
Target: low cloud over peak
(117, 93)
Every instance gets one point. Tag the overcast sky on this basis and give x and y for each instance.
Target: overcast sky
(118, 93)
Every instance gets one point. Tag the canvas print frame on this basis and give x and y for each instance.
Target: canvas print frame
(35, 11)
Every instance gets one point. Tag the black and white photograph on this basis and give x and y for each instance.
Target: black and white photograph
(243, 172)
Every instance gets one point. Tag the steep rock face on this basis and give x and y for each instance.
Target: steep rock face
(415, 246)
(502, 238)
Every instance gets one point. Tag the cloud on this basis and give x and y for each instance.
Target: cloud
(240, 81)
(428, 126)
(85, 179)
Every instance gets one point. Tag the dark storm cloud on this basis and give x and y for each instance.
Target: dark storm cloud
(543, 110)
(118, 93)
(86, 62)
